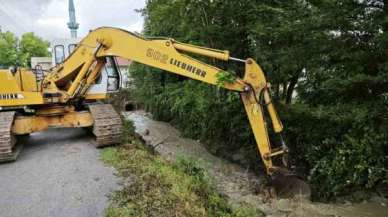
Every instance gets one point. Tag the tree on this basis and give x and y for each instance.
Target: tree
(8, 49)
(346, 93)
(30, 46)
(14, 51)
(332, 53)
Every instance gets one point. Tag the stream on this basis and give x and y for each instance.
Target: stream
(239, 185)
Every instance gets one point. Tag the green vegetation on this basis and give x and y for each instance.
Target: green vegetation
(225, 77)
(8, 44)
(30, 46)
(160, 188)
(333, 54)
(15, 51)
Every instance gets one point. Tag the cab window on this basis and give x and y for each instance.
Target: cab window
(113, 74)
(59, 51)
(72, 48)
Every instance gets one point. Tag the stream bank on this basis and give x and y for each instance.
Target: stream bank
(237, 184)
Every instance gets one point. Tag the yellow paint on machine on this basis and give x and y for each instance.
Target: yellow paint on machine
(12, 86)
(96, 96)
(27, 98)
(70, 81)
(30, 124)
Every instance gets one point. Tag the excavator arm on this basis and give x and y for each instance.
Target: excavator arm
(79, 71)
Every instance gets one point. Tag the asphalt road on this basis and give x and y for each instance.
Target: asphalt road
(58, 174)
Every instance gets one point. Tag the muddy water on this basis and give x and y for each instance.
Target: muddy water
(238, 184)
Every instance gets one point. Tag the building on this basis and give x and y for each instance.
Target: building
(72, 24)
(45, 63)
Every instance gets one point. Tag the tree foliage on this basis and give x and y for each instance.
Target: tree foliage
(15, 51)
(32, 45)
(8, 46)
(326, 60)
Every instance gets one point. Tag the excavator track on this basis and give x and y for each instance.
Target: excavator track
(107, 125)
(9, 151)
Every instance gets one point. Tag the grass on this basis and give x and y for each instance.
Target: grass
(157, 187)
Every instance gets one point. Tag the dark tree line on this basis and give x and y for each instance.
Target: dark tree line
(326, 61)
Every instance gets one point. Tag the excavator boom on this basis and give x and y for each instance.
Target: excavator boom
(68, 83)
(169, 55)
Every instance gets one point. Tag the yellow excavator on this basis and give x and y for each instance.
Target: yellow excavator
(66, 95)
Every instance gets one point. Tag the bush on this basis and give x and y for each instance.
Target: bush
(338, 148)
(333, 53)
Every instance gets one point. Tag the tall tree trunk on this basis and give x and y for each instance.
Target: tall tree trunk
(290, 89)
(284, 91)
(277, 90)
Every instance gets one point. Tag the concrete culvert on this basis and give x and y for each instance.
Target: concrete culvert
(129, 107)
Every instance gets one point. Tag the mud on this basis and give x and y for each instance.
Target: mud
(240, 185)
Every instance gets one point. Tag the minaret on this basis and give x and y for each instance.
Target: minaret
(72, 24)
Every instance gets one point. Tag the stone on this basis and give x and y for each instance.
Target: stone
(284, 205)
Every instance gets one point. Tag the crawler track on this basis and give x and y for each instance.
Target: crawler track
(8, 150)
(107, 124)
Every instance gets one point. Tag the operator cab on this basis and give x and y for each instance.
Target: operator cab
(110, 79)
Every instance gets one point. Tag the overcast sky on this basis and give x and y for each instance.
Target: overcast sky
(48, 18)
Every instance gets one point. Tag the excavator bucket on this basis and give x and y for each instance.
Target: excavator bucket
(288, 185)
